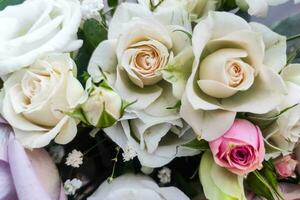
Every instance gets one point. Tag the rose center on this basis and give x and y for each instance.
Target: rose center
(146, 60)
(235, 72)
(242, 155)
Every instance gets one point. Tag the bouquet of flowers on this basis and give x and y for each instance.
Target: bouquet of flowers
(148, 99)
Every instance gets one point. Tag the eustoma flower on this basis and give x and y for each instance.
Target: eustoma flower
(146, 60)
(136, 187)
(26, 175)
(37, 27)
(241, 149)
(235, 70)
(36, 99)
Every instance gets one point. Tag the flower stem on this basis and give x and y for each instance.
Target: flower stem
(92, 147)
(293, 37)
(115, 160)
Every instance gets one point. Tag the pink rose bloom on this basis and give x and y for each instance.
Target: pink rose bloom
(241, 149)
(285, 166)
(26, 175)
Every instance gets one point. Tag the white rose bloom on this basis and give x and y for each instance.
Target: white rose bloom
(259, 8)
(196, 8)
(136, 187)
(284, 133)
(235, 70)
(37, 27)
(35, 99)
(103, 106)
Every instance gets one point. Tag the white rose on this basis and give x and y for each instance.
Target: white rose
(155, 140)
(36, 98)
(136, 187)
(140, 46)
(259, 7)
(36, 27)
(103, 106)
(234, 71)
(284, 133)
(196, 8)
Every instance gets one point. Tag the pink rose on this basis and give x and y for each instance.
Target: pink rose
(285, 166)
(241, 149)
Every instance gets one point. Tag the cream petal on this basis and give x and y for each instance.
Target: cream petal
(248, 40)
(180, 35)
(216, 89)
(75, 91)
(37, 139)
(128, 91)
(267, 91)
(125, 13)
(103, 57)
(213, 66)
(275, 45)
(208, 125)
(67, 133)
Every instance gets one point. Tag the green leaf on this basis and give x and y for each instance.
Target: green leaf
(290, 27)
(5, 3)
(264, 182)
(184, 185)
(218, 182)
(94, 32)
(78, 114)
(112, 3)
(201, 145)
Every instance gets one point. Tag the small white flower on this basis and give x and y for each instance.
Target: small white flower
(164, 175)
(129, 153)
(57, 153)
(74, 159)
(71, 186)
(90, 9)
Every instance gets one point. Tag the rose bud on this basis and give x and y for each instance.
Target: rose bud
(103, 106)
(285, 166)
(241, 149)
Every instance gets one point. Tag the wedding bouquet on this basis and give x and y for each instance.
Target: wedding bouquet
(148, 99)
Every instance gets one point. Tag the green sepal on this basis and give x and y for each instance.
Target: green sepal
(196, 144)
(264, 182)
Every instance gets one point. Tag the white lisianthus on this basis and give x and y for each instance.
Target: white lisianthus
(36, 98)
(37, 27)
(283, 135)
(235, 70)
(259, 8)
(155, 140)
(103, 106)
(136, 187)
(196, 8)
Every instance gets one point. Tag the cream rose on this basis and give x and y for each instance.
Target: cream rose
(141, 49)
(36, 98)
(37, 27)
(136, 187)
(196, 8)
(235, 70)
(283, 135)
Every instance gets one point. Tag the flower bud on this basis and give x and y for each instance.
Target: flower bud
(103, 106)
